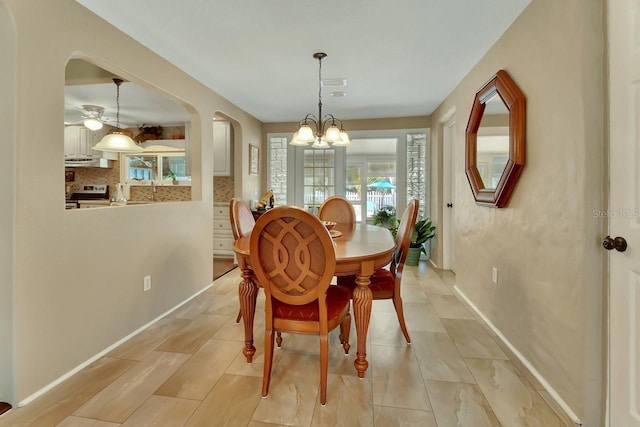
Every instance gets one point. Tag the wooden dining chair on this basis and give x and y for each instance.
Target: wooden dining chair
(337, 209)
(293, 258)
(385, 283)
(242, 222)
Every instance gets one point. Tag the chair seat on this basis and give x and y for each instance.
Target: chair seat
(381, 280)
(337, 298)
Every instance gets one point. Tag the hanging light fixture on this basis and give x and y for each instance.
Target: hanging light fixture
(326, 128)
(117, 141)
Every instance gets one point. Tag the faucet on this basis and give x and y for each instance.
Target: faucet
(153, 191)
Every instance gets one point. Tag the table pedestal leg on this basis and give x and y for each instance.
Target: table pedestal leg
(362, 301)
(247, 293)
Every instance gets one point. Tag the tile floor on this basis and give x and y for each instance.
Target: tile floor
(188, 370)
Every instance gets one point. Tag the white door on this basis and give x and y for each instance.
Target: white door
(623, 213)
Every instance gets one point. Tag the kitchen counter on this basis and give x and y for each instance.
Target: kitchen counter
(83, 204)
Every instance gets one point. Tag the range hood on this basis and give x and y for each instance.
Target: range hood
(88, 162)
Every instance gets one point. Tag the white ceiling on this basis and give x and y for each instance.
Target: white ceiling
(138, 105)
(400, 57)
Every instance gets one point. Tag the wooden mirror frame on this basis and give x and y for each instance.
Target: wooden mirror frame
(502, 84)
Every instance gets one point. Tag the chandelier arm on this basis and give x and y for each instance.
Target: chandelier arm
(309, 118)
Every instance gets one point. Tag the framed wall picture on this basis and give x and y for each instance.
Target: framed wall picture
(254, 160)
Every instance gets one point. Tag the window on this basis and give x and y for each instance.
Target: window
(371, 175)
(417, 177)
(378, 169)
(141, 169)
(319, 177)
(277, 175)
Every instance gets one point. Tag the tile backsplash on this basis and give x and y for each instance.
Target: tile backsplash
(97, 176)
(222, 189)
(223, 186)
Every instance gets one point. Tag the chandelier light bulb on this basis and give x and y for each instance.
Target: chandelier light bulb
(320, 143)
(296, 140)
(333, 134)
(305, 133)
(343, 141)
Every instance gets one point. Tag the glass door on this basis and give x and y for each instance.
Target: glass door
(319, 177)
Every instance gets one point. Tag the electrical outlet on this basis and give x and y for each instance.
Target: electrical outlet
(147, 283)
(494, 275)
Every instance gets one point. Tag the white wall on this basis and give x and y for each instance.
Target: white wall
(78, 274)
(546, 244)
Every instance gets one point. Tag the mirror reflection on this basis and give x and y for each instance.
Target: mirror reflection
(492, 146)
(156, 123)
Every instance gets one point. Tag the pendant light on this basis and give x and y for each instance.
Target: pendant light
(326, 129)
(117, 141)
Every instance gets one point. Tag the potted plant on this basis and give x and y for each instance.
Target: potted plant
(172, 176)
(146, 133)
(422, 232)
(386, 217)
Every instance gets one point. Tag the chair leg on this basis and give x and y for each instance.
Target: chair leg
(279, 339)
(324, 367)
(345, 328)
(268, 361)
(239, 317)
(397, 303)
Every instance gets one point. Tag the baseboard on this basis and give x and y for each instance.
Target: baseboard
(532, 370)
(83, 365)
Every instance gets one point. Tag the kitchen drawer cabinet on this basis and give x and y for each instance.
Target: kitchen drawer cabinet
(224, 247)
(222, 235)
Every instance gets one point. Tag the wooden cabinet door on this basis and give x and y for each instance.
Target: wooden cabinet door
(222, 148)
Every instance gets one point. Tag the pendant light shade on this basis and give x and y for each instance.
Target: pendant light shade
(326, 128)
(118, 142)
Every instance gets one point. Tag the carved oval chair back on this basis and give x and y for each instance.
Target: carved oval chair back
(293, 258)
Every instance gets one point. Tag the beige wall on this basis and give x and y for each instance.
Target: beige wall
(549, 298)
(362, 124)
(77, 292)
(7, 195)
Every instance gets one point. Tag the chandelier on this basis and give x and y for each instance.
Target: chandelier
(117, 141)
(326, 128)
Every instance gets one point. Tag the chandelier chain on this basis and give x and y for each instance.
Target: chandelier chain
(118, 82)
(320, 92)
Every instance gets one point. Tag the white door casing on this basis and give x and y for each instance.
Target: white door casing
(623, 212)
(447, 129)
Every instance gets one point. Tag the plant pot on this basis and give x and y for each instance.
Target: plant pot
(413, 256)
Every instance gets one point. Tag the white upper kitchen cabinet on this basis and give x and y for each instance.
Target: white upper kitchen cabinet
(78, 141)
(222, 147)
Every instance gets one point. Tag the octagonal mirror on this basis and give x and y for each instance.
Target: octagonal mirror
(495, 140)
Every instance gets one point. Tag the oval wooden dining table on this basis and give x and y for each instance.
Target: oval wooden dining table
(360, 249)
